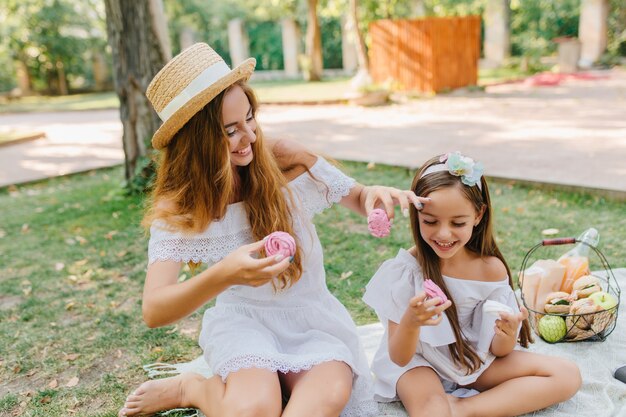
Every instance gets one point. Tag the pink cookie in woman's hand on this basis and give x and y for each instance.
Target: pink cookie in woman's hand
(280, 243)
(378, 223)
(432, 290)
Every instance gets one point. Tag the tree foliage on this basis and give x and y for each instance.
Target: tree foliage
(55, 39)
(535, 23)
(617, 28)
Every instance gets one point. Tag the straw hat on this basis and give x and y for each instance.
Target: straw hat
(187, 83)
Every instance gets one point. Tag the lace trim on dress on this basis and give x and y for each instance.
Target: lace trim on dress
(272, 364)
(208, 249)
(329, 187)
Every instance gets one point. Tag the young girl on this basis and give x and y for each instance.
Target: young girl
(430, 347)
(275, 333)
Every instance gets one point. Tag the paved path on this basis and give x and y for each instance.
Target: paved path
(74, 142)
(573, 134)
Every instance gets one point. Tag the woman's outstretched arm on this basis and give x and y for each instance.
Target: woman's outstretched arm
(295, 158)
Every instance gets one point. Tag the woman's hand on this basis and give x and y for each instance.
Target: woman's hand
(508, 324)
(241, 268)
(424, 312)
(389, 197)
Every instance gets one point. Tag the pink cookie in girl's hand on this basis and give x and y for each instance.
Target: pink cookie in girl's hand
(280, 243)
(378, 223)
(432, 290)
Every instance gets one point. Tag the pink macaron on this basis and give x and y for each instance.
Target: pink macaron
(432, 290)
(378, 223)
(280, 243)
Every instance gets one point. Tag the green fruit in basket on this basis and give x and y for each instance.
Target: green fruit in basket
(603, 299)
(552, 328)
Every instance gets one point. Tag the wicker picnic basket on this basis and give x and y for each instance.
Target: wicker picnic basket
(592, 327)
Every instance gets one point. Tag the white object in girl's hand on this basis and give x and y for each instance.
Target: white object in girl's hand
(495, 308)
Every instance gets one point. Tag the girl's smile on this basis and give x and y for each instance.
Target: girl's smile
(445, 246)
(447, 221)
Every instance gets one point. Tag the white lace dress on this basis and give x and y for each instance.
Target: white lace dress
(285, 331)
(388, 293)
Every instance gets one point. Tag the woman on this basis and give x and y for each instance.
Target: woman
(277, 341)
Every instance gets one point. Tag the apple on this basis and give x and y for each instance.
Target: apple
(604, 299)
(552, 328)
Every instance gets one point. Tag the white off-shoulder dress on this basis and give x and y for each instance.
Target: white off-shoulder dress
(388, 293)
(287, 330)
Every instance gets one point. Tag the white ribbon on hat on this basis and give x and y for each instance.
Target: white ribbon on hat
(195, 87)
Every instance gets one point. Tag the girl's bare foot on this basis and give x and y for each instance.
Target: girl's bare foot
(160, 394)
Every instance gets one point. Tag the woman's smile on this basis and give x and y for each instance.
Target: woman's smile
(244, 151)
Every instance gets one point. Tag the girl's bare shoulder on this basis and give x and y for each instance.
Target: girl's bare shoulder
(492, 268)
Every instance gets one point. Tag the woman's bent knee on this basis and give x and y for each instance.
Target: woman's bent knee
(338, 396)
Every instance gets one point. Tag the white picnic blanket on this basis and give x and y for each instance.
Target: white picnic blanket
(600, 396)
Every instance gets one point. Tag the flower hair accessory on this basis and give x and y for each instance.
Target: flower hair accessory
(459, 166)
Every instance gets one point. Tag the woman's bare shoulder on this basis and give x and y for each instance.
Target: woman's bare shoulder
(292, 157)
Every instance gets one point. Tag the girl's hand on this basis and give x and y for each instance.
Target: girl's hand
(508, 324)
(423, 312)
(389, 197)
(243, 269)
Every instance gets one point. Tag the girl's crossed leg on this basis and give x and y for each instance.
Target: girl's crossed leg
(519, 383)
(422, 393)
(246, 393)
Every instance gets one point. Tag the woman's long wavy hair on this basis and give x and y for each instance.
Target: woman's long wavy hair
(195, 182)
(482, 243)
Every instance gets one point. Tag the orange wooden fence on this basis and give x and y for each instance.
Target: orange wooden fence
(429, 55)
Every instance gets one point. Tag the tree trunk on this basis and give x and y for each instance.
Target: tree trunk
(362, 78)
(364, 65)
(140, 48)
(24, 82)
(313, 44)
(63, 90)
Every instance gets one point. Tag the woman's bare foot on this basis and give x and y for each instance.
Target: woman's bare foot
(160, 394)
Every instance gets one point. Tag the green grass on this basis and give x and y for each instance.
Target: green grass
(288, 91)
(301, 91)
(73, 263)
(88, 101)
(268, 92)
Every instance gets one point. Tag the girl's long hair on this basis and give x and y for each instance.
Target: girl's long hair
(482, 242)
(195, 182)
